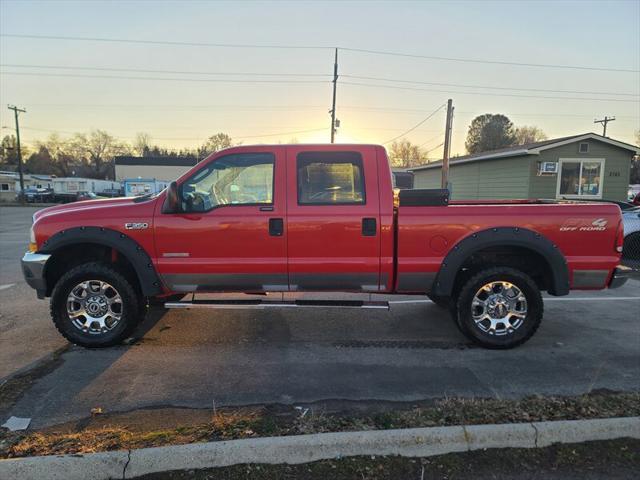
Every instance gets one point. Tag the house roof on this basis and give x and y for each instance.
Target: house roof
(157, 161)
(529, 149)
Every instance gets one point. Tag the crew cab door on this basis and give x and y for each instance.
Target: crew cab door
(230, 234)
(333, 224)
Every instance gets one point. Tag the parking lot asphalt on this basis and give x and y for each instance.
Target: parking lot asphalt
(587, 341)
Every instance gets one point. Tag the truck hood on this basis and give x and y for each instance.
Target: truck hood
(86, 205)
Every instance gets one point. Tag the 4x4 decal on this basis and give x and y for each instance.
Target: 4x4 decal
(584, 225)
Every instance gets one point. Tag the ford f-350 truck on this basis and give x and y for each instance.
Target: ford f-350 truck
(292, 218)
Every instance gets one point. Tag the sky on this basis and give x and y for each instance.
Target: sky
(181, 94)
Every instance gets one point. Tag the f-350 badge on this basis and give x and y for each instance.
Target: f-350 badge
(136, 226)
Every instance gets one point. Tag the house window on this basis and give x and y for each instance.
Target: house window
(4, 187)
(583, 148)
(580, 178)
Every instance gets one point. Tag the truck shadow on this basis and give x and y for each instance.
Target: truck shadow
(48, 386)
(184, 358)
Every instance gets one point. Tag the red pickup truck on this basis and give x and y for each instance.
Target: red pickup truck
(290, 218)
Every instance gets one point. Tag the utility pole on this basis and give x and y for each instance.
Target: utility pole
(604, 122)
(447, 145)
(17, 110)
(333, 105)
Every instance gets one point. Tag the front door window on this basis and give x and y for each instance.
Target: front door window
(239, 179)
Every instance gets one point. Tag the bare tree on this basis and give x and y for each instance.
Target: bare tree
(529, 134)
(215, 143)
(8, 151)
(404, 154)
(96, 150)
(141, 144)
(63, 156)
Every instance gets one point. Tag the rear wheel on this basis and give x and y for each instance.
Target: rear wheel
(95, 305)
(499, 308)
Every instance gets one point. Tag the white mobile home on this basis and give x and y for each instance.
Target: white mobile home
(73, 185)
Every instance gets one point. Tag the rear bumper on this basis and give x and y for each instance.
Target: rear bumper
(621, 274)
(33, 265)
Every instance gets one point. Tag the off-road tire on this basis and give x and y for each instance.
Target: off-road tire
(530, 324)
(131, 305)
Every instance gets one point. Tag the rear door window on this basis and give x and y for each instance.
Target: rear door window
(330, 178)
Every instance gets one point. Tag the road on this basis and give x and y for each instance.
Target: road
(587, 341)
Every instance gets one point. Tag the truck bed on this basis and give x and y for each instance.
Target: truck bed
(426, 235)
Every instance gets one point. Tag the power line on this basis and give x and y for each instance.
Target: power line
(293, 107)
(489, 87)
(199, 80)
(181, 72)
(176, 107)
(478, 94)
(292, 74)
(416, 125)
(427, 152)
(494, 62)
(284, 133)
(431, 139)
(525, 114)
(322, 47)
(188, 138)
(166, 42)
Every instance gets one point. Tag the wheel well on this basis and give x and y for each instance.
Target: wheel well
(69, 256)
(521, 258)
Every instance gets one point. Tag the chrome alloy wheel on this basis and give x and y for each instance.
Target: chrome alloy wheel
(94, 307)
(499, 308)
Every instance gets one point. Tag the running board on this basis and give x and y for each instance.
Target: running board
(264, 304)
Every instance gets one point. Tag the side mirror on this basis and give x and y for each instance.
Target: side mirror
(172, 202)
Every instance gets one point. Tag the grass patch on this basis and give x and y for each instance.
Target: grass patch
(114, 432)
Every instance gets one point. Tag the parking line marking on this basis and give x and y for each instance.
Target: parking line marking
(4, 287)
(590, 299)
(587, 299)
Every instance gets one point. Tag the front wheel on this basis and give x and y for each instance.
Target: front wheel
(95, 305)
(499, 308)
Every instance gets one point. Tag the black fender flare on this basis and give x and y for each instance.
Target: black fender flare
(503, 236)
(125, 245)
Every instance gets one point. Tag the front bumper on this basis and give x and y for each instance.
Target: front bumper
(33, 265)
(621, 274)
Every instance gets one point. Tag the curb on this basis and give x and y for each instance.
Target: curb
(413, 442)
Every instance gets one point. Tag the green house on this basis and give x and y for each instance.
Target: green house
(587, 166)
